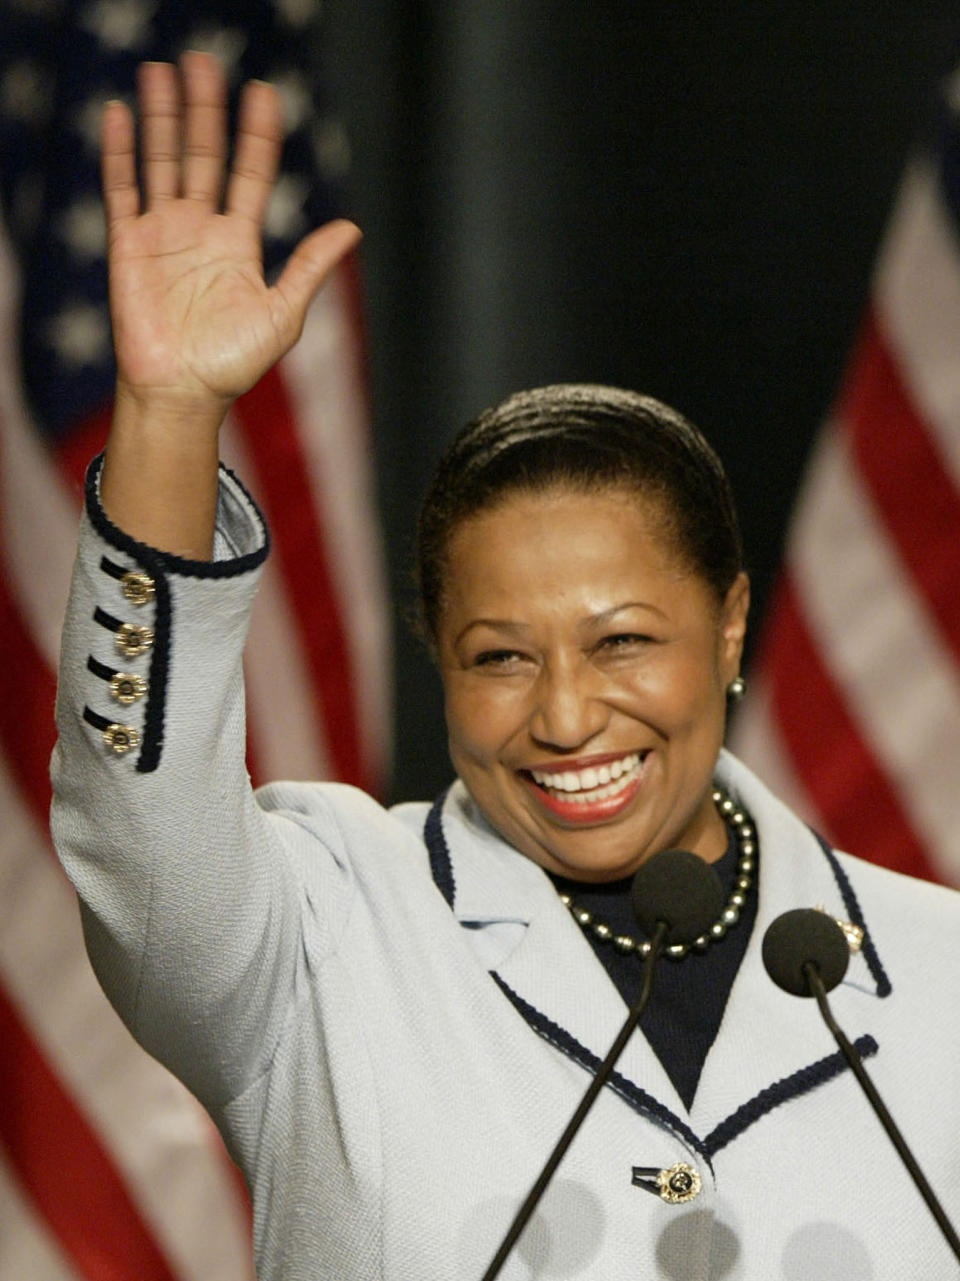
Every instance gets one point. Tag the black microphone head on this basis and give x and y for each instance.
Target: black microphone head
(680, 889)
(803, 935)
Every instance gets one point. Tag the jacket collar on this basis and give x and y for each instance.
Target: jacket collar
(527, 938)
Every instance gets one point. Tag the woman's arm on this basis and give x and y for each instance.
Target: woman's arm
(195, 325)
(192, 897)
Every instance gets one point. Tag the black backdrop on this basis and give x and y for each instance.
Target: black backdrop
(684, 198)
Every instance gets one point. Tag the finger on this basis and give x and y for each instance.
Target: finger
(257, 151)
(118, 166)
(310, 264)
(205, 128)
(159, 95)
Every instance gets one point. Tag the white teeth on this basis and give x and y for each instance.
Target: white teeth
(593, 783)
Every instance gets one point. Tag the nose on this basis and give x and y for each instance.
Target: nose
(568, 710)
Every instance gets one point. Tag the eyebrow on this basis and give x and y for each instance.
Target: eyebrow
(496, 624)
(514, 628)
(606, 615)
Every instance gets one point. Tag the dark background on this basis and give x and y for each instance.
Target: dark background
(683, 199)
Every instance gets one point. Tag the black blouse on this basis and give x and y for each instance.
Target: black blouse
(689, 995)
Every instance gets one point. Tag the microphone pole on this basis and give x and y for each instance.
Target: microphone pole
(876, 1102)
(806, 954)
(675, 897)
(586, 1103)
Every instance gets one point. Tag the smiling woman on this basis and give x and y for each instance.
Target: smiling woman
(390, 1013)
(574, 639)
(582, 583)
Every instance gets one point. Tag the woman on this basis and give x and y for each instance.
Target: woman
(391, 1014)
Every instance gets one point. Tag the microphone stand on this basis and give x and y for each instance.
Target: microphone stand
(812, 975)
(596, 1085)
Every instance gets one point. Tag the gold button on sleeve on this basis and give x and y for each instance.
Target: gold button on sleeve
(127, 688)
(132, 639)
(137, 587)
(121, 738)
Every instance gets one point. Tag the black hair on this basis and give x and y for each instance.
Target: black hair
(589, 438)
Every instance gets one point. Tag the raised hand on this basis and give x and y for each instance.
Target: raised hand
(192, 315)
(195, 324)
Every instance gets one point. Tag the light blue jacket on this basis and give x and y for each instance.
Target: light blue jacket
(391, 1033)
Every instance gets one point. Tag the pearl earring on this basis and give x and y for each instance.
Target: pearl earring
(736, 689)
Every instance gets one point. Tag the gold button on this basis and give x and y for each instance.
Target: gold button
(138, 588)
(678, 1184)
(120, 738)
(126, 688)
(132, 639)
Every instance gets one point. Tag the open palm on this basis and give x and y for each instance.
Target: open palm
(194, 321)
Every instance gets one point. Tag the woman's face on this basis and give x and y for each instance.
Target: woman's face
(585, 670)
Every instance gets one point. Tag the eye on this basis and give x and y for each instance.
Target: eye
(497, 658)
(620, 642)
(623, 644)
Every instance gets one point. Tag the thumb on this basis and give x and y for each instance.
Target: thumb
(310, 264)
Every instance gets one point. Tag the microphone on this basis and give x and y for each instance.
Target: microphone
(806, 954)
(676, 897)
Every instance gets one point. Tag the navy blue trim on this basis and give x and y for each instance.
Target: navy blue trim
(855, 914)
(96, 720)
(100, 669)
(791, 1087)
(158, 563)
(106, 620)
(631, 1093)
(441, 866)
(111, 568)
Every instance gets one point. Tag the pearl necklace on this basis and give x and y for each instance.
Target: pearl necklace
(746, 869)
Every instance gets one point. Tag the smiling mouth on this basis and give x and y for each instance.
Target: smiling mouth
(596, 783)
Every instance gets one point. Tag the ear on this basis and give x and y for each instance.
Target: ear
(733, 626)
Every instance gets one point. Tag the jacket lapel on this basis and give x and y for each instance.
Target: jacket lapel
(527, 939)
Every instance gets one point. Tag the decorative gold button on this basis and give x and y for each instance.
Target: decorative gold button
(126, 688)
(132, 639)
(679, 1184)
(138, 588)
(120, 738)
(851, 932)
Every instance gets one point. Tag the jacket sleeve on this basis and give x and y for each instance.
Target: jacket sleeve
(193, 899)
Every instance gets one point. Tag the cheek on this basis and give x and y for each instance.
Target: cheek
(481, 718)
(681, 691)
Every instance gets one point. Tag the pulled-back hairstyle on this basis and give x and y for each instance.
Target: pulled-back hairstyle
(585, 438)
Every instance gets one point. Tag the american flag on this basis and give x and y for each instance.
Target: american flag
(854, 714)
(109, 1171)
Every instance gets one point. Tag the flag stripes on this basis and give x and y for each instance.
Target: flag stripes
(300, 553)
(857, 705)
(109, 1170)
(890, 441)
(74, 1182)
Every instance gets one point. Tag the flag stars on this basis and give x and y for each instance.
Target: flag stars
(25, 92)
(285, 217)
(298, 13)
(294, 90)
(118, 24)
(226, 44)
(83, 228)
(80, 335)
(331, 148)
(87, 121)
